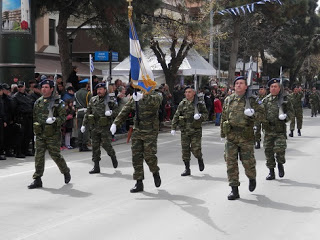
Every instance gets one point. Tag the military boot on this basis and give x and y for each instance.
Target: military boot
(201, 164)
(157, 179)
(37, 183)
(114, 161)
(95, 169)
(187, 171)
(299, 132)
(67, 177)
(252, 185)
(138, 187)
(234, 193)
(281, 170)
(271, 175)
(257, 145)
(291, 133)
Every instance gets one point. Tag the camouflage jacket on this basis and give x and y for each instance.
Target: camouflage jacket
(233, 118)
(314, 98)
(95, 115)
(148, 113)
(41, 112)
(295, 99)
(272, 123)
(184, 116)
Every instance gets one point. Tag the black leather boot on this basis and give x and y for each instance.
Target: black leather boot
(37, 183)
(201, 164)
(95, 169)
(157, 179)
(138, 187)
(257, 145)
(281, 170)
(291, 133)
(234, 193)
(271, 175)
(252, 184)
(299, 132)
(187, 171)
(114, 161)
(67, 177)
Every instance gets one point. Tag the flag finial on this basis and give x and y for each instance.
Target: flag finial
(130, 8)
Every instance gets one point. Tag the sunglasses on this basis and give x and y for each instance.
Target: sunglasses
(20, 86)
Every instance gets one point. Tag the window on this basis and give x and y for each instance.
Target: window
(52, 32)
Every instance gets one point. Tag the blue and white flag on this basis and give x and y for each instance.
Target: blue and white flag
(91, 64)
(141, 73)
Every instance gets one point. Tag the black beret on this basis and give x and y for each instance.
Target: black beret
(238, 78)
(6, 86)
(100, 85)
(273, 80)
(189, 86)
(70, 88)
(21, 83)
(47, 81)
(262, 86)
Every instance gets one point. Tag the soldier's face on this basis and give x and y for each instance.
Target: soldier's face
(296, 90)
(274, 89)
(101, 92)
(46, 91)
(262, 91)
(240, 87)
(189, 93)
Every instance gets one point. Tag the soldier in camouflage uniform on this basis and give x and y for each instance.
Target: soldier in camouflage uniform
(144, 136)
(257, 124)
(237, 127)
(99, 115)
(314, 101)
(295, 99)
(48, 134)
(189, 122)
(274, 126)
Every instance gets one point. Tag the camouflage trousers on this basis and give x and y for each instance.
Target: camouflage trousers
(299, 116)
(144, 147)
(52, 144)
(244, 149)
(101, 137)
(275, 148)
(257, 132)
(314, 109)
(191, 142)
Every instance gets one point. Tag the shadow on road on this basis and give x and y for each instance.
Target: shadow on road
(190, 205)
(265, 202)
(291, 183)
(207, 177)
(116, 174)
(67, 190)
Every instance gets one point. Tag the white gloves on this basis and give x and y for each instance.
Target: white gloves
(137, 97)
(83, 129)
(282, 116)
(50, 120)
(113, 129)
(173, 132)
(197, 116)
(108, 113)
(249, 112)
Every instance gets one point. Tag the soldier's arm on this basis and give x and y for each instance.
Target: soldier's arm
(175, 118)
(89, 110)
(223, 118)
(61, 113)
(259, 114)
(123, 115)
(203, 111)
(289, 111)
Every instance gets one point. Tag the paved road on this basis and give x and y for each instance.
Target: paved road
(101, 207)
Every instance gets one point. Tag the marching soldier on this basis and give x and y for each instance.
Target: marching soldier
(237, 127)
(274, 126)
(145, 134)
(257, 125)
(99, 117)
(48, 134)
(295, 99)
(190, 125)
(314, 101)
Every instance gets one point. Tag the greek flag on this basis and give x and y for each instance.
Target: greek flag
(91, 64)
(141, 73)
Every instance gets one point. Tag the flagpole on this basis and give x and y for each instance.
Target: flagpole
(90, 59)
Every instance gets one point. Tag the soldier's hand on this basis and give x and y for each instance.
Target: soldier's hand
(113, 129)
(282, 116)
(137, 96)
(108, 113)
(173, 132)
(50, 120)
(197, 116)
(83, 129)
(249, 112)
